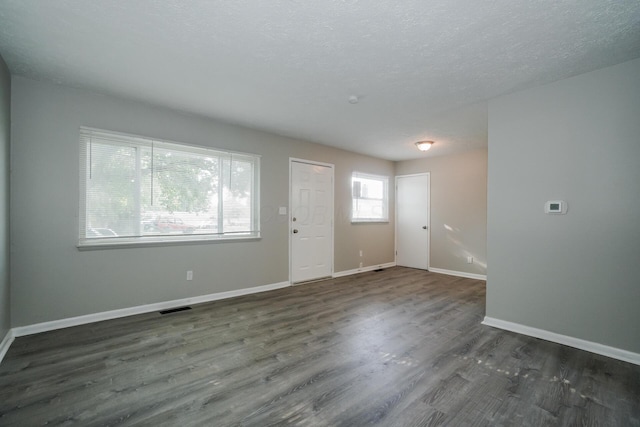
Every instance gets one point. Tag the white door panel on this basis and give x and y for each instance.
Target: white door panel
(311, 221)
(412, 221)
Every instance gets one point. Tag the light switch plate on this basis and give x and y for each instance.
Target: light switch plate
(282, 210)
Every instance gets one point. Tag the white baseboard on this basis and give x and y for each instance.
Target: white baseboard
(459, 273)
(605, 350)
(6, 343)
(363, 269)
(124, 312)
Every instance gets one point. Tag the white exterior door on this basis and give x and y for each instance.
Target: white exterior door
(412, 221)
(311, 221)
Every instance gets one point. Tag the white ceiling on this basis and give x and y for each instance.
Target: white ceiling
(421, 69)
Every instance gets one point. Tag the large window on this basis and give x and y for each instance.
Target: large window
(139, 190)
(370, 198)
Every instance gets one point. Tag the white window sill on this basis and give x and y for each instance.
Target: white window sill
(369, 221)
(137, 242)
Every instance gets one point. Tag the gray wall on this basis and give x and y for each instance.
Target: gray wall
(5, 127)
(52, 280)
(576, 274)
(458, 208)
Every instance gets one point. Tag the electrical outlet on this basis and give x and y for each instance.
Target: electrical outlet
(469, 260)
(190, 275)
(360, 264)
(360, 252)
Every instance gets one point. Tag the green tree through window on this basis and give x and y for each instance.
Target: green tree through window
(135, 187)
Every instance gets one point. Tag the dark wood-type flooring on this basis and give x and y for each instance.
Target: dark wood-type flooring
(400, 347)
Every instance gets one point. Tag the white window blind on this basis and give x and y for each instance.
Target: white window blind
(370, 198)
(139, 190)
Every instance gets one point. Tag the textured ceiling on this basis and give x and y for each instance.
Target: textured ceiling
(421, 69)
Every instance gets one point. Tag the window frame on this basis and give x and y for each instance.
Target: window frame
(385, 198)
(137, 141)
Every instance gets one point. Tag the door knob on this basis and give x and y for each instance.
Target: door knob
(424, 227)
(295, 231)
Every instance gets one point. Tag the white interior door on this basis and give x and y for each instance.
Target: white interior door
(412, 221)
(311, 221)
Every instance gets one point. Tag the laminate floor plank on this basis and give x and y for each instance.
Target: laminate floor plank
(400, 347)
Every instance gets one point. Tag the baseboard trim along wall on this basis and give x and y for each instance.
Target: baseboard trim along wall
(604, 350)
(459, 273)
(6, 343)
(141, 309)
(363, 269)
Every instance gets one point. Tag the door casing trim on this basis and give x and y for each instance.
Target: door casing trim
(395, 231)
(332, 215)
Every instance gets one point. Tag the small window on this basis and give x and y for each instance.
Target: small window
(138, 190)
(370, 194)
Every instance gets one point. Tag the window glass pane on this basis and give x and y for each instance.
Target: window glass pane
(371, 189)
(368, 209)
(111, 191)
(179, 192)
(237, 196)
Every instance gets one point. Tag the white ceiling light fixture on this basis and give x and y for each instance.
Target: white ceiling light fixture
(424, 145)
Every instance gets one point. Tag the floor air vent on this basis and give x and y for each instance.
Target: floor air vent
(175, 310)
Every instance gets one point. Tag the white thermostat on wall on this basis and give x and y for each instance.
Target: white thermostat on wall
(558, 207)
